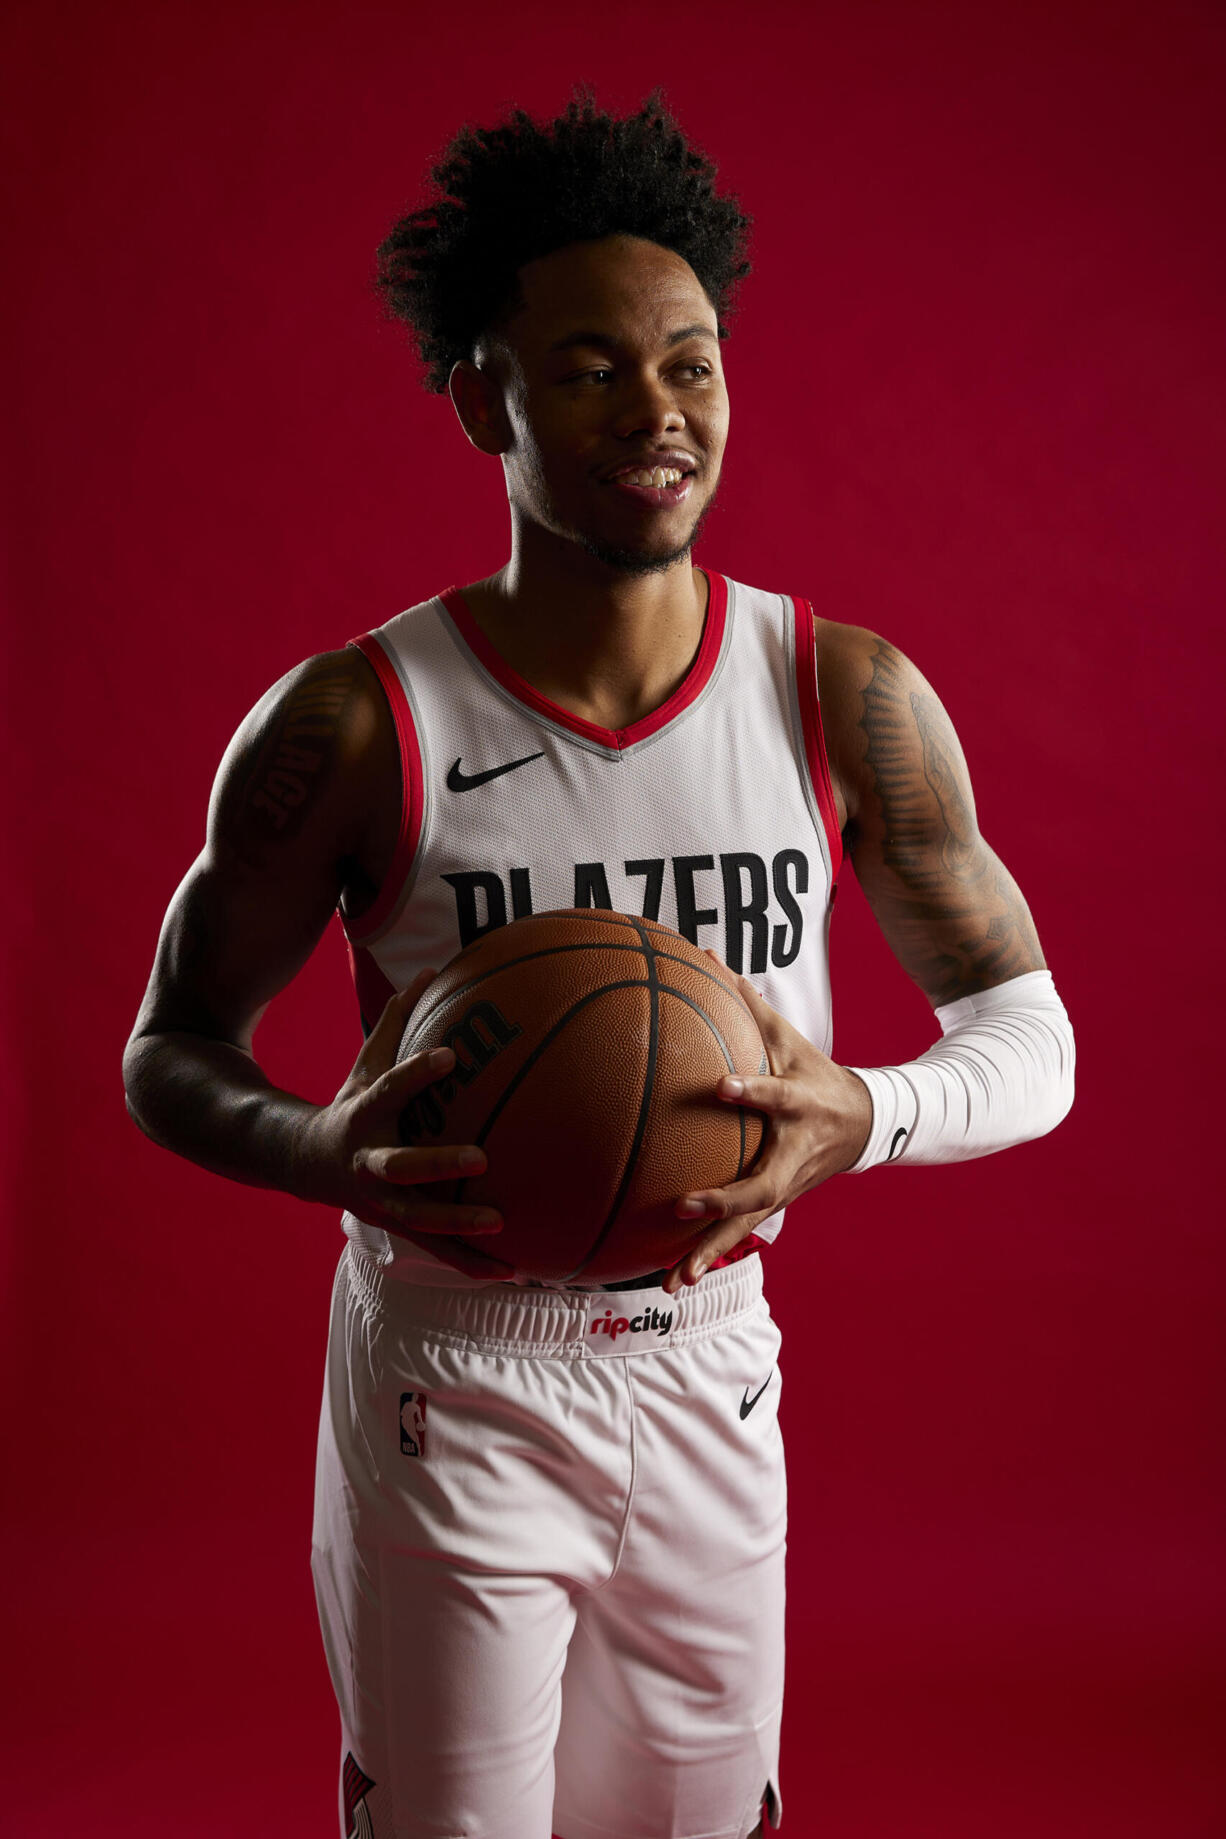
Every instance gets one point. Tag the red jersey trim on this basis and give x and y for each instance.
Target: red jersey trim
(412, 792)
(811, 725)
(688, 690)
(374, 990)
(752, 1244)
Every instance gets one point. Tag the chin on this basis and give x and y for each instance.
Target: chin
(634, 561)
(643, 561)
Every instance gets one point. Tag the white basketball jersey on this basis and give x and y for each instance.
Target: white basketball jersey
(713, 814)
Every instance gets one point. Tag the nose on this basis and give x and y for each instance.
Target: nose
(648, 406)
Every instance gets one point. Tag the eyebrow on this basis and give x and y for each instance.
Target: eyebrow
(608, 339)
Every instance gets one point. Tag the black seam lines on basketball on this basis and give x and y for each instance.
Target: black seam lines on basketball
(666, 989)
(649, 1080)
(546, 1041)
(418, 1021)
(652, 984)
(546, 951)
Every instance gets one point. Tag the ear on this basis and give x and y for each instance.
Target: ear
(477, 398)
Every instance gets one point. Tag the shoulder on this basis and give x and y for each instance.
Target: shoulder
(311, 753)
(327, 711)
(853, 659)
(870, 692)
(336, 694)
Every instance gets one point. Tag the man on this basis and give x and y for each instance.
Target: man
(550, 1573)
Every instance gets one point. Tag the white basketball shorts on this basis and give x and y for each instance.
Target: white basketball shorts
(550, 1531)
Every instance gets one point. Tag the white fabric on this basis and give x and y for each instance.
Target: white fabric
(725, 777)
(549, 1556)
(1001, 1074)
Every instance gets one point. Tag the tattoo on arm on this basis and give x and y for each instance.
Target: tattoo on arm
(889, 721)
(958, 847)
(293, 762)
(951, 912)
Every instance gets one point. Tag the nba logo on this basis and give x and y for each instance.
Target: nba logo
(356, 1786)
(412, 1423)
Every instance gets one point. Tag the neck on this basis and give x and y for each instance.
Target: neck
(609, 646)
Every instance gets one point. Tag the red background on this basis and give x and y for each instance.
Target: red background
(976, 405)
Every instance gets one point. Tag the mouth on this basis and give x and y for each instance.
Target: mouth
(656, 488)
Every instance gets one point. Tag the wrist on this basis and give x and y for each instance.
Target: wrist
(312, 1155)
(859, 1119)
(891, 1115)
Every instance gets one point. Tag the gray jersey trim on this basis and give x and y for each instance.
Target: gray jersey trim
(798, 735)
(427, 796)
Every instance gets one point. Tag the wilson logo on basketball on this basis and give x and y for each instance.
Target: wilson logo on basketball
(589, 1045)
(477, 1038)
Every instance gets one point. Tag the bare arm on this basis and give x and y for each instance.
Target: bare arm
(949, 909)
(304, 809)
(243, 922)
(952, 915)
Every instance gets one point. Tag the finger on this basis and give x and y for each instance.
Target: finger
(773, 1027)
(699, 1259)
(392, 1090)
(752, 995)
(383, 1042)
(761, 1189)
(397, 1211)
(434, 1162)
(760, 1092)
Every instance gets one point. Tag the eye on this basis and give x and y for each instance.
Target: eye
(589, 376)
(699, 370)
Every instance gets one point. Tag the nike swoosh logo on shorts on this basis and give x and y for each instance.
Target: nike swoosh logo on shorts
(747, 1403)
(458, 781)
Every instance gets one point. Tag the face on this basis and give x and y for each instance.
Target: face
(612, 362)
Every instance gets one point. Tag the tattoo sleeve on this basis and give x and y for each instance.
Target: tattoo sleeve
(940, 770)
(951, 912)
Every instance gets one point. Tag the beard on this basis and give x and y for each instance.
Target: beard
(634, 561)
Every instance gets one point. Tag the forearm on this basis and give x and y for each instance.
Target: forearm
(1002, 1074)
(209, 1101)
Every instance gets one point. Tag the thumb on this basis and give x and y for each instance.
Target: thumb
(381, 1046)
(770, 1022)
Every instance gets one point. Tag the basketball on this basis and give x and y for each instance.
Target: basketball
(588, 1047)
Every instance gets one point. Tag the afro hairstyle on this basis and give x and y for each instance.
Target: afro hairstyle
(512, 193)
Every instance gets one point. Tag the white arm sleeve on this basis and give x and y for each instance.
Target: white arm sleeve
(1001, 1074)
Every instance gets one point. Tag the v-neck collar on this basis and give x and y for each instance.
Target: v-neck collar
(617, 740)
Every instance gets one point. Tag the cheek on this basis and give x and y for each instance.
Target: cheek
(526, 468)
(713, 440)
(709, 427)
(529, 460)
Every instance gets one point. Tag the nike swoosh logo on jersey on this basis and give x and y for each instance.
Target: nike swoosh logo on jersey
(900, 1136)
(458, 781)
(747, 1403)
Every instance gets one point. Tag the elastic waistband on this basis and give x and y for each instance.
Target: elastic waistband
(555, 1324)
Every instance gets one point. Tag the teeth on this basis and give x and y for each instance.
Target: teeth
(657, 476)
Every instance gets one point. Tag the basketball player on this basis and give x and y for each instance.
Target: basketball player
(549, 1558)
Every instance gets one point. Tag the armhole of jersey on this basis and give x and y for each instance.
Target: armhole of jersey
(815, 740)
(371, 986)
(412, 804)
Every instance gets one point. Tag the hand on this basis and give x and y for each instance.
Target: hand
(818, 1119)
(355, 1159)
